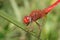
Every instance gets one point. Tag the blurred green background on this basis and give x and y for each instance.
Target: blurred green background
(13, 28)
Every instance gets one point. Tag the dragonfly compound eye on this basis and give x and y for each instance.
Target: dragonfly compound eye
(27, 20)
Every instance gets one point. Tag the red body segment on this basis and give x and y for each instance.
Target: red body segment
(37, 14)
(59, 0)
(51, 7)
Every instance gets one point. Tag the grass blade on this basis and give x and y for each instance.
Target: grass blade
(10, 19)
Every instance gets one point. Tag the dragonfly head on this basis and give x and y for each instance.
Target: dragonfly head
(27, 20)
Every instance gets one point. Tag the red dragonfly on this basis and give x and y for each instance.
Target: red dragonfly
(37, 14)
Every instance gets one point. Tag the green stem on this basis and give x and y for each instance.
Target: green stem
(9, 18)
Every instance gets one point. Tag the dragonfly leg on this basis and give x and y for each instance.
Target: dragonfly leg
(38, 25)
(30, 28)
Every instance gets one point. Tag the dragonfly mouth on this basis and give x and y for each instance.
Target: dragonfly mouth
(27, 24)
